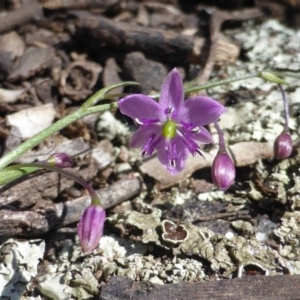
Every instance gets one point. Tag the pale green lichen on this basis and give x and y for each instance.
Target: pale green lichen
(18, 265)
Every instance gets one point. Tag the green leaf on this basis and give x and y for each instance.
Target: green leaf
(11, 173)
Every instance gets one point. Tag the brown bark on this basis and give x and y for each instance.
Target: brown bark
(33, 223)
(283, 287)
(168, 45)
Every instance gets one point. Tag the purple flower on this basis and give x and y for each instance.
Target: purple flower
(283, 145)
(223, 171)
(90, 227)
(171, 126)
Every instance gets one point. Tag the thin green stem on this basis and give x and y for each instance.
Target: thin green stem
(213, 84)
(57, 126)
(220, 82)
(101, 94)
(286, 109)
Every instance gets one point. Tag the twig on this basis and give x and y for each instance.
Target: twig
(212, 217)
(98, 31)
(217, 19)
(34, 223)
(78, 4)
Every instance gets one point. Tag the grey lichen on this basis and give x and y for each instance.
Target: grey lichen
(172, 233)
(18, 265)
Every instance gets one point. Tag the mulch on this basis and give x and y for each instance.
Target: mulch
(61, 52)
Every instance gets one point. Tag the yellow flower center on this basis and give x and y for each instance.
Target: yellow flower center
(169, 129)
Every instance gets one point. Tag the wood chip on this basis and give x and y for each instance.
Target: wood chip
(244, 153)
(10, 96)
(33, 60)
(12, 43)
(31, 121)
(149, 73)
(30, 11)
(98, 31)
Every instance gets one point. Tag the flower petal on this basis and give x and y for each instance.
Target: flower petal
(138, 106)
(203, 136)
(142, 135)
(171, 95)
(172, 157)
(202, 111)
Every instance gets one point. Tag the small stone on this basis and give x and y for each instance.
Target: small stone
(150, 74)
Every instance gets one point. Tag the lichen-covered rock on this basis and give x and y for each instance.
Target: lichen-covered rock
(18, 265)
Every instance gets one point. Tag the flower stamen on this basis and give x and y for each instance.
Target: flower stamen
(170, 110)
(199, 152)
(138, 122)
(172, 163)
(189, 143)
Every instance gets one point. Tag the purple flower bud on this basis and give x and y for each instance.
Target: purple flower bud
(59, 160)
(223, 171)
(283, 145)
(90, 227)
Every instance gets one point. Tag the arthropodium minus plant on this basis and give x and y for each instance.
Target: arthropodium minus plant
(171, 126)
(173, 129)
(222, 170)
(91, 223)
(90, 226)
(283, 145)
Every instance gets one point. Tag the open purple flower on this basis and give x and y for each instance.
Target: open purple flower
(172, 126)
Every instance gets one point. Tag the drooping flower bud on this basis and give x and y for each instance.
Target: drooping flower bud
(59, 160)
(270, 76)
(223, 171)
(283, 145)
(90, 227)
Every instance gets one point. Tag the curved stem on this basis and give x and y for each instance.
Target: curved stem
(222, 146)
(94, 196)
(286, 109)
